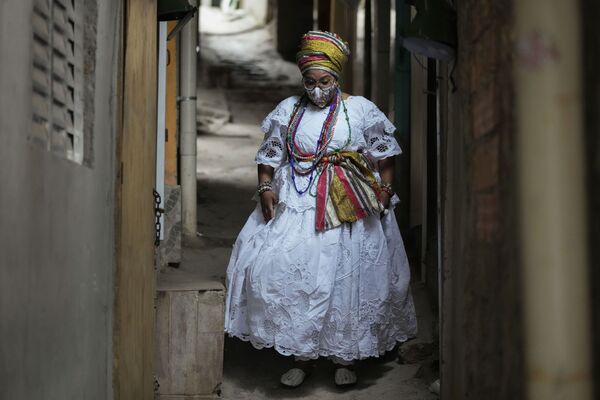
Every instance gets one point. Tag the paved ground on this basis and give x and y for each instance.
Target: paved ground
(238, 88)
(252, 374)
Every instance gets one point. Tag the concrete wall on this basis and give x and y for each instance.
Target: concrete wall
(56, 231)
(482, 337)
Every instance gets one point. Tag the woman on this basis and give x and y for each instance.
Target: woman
(319, 269)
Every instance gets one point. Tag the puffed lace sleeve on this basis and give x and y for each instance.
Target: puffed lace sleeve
(272, 151)
(378, 132)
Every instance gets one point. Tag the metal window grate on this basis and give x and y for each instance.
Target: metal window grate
(57, 103)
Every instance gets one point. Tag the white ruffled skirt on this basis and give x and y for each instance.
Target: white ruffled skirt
(342, 293)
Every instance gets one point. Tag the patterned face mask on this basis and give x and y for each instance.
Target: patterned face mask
(321, 97)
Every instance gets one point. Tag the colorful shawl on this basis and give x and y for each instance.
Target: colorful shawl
(346, 190)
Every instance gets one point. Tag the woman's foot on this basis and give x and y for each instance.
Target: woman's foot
(345, 375)
(295, 376)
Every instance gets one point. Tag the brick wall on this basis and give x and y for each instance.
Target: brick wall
(482, 324)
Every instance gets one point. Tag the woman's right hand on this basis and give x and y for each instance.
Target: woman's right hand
(268, 201)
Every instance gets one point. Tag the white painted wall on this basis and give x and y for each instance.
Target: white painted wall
(56, 230)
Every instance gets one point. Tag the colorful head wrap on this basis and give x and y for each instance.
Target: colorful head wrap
(322, 50)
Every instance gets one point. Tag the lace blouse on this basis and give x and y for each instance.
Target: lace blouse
(369, 130)
(372, 131)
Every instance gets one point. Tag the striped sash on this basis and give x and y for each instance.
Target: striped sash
(346, 190)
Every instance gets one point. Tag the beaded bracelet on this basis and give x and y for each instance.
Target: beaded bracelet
(264, 189)
(387, 187)
(266, 186)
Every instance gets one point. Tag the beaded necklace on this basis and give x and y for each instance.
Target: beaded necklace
(296, 155)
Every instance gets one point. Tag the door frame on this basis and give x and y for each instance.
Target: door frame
(134, 275)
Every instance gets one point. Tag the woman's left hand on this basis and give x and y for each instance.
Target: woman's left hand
(386, 172)
(385, 197)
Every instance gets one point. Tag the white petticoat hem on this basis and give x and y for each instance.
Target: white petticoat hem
(321, 353)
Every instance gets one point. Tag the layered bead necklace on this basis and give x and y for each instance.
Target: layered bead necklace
(296, 156)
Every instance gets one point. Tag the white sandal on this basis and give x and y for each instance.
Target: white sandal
(293, 378)
(344, 376)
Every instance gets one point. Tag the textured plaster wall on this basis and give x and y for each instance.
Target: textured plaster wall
(482, 311)
(56, 230)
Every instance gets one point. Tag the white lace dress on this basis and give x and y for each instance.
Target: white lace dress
(342, 293)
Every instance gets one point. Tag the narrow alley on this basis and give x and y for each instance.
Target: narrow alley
(450, 152)
(236, 91)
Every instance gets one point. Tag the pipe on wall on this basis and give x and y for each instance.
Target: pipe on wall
(187, 107)
(552, 213)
